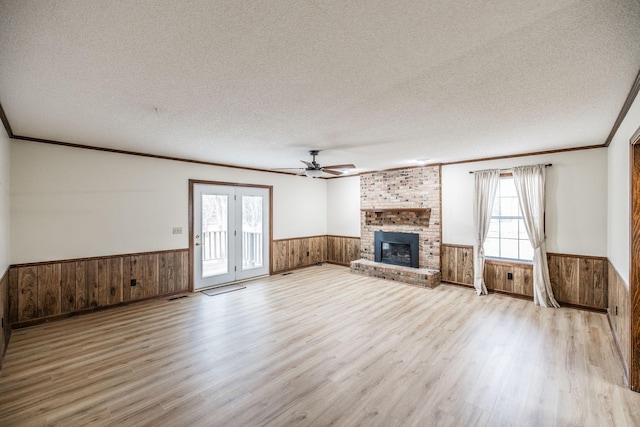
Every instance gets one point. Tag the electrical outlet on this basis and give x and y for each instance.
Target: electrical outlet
(133, 282)
(177, 230)
(509, 276)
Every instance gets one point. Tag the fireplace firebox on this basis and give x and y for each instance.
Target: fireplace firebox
(396, 248)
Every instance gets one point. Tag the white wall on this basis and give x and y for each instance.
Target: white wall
(576, 200)
(619, 193)
(5, 216)
(70, 203)
(343, 206)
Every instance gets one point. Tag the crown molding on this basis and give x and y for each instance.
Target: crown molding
(625, 109)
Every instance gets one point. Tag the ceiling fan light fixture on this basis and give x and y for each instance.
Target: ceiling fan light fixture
(313, 173)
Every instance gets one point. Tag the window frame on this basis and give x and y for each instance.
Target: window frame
(507, 217)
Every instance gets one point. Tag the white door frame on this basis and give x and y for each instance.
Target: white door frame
(192, 183)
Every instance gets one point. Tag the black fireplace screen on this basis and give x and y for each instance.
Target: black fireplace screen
(396, 248)
(396, 253)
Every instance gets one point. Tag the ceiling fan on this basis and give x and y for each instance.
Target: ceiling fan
(314, 170)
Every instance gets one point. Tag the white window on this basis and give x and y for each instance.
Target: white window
(507, 236)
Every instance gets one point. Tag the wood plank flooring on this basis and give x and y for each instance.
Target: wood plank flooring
(318, 347)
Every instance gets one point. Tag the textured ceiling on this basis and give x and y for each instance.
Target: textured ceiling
(377, 83)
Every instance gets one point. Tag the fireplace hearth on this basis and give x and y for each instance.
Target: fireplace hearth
(397, 248)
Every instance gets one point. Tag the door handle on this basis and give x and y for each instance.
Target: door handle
(197, 244)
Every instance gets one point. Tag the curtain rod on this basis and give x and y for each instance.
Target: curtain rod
(508, 169)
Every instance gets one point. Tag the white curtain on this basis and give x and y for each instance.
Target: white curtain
(529, 182)
(484, 195)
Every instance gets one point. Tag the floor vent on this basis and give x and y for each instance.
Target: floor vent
(286, 274)
(179, 297)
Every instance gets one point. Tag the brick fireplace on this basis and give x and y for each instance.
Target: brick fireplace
(401, 201)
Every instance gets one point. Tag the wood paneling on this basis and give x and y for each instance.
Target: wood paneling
(184, 273)
(464, 265)
(289, 254)
(618, 314)
(448, 263)
(280, 255)
(103, 275)
(13, 295)
(27, 293)
(115, 281)
(168, 265)
(496, 277)
(318, 249)
(67, 287)
(144, 270)
(50, 289)
(5, 325)
(579, 280)
(81, 285)
(342, 250)
(91, 279)
(575, 279)
(457, 264)
(523, 280)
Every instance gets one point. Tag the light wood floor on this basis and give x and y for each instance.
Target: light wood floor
(320, 347)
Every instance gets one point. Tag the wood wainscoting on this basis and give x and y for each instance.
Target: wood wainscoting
(457, 264)
(576, 280)
(579, 280)
(298, 252)
(43, 290)
(342, 250)
(5, 330)
(619, 315)
(37, 291)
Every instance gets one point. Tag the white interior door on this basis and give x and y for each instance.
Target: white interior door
(230, 234)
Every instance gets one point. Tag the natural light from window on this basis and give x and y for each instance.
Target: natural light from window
(507, 237)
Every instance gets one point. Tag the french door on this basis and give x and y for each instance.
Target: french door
(230, 233)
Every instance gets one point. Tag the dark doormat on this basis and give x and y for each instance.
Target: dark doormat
(222, 290)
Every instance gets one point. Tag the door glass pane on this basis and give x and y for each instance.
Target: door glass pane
(215, 239)
(252, 237)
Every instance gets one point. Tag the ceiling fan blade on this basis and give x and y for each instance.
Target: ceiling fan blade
(309, 165)
(287, 169)
(349, 166)
(332, 172)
